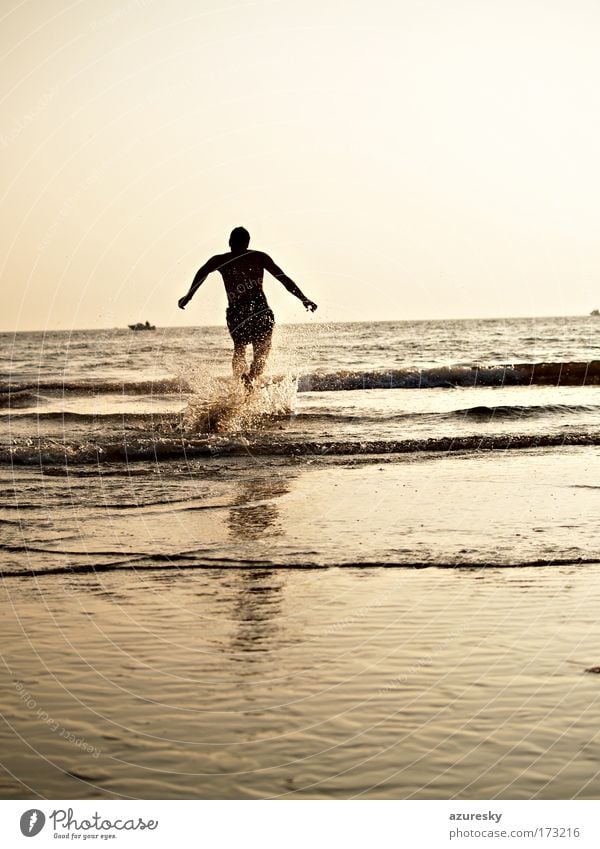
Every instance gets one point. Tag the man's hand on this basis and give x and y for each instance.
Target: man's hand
(309, 305)
(183, 302)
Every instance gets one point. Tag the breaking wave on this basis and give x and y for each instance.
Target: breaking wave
(524, 374)
(185, 447)
(542, 374)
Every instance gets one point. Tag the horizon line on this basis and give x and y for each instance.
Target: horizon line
(301, 323)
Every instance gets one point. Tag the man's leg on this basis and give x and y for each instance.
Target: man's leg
(261, 348)
(238, 363)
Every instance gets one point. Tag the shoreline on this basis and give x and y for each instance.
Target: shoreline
(453, 508)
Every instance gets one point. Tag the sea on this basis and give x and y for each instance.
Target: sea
(151, 420)
(372, 576)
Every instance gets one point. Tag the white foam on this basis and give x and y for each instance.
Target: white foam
(226, 406)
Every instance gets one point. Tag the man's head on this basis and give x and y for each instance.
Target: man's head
(239, 239)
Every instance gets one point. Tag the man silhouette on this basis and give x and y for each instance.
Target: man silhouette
(249, 317)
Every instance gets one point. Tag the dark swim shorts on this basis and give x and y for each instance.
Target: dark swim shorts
(249, 322)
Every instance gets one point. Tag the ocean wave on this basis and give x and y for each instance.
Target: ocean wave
(523, 374)
(124, 418)
(42, 452)
(19, 398)
(537, 374)
(508, 411)
(518, 411)
(162, 386)
(168, 422)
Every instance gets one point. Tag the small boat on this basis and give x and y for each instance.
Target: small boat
(139, 326)
(595, 312)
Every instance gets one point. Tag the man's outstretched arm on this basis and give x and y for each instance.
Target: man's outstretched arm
(200, 277)
(288, 283)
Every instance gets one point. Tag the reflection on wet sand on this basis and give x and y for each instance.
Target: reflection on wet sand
(254, 513)
(257, 612)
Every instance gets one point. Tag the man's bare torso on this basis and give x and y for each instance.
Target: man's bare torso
(243, 275)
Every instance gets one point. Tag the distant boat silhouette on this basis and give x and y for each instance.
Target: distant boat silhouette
(595, 312)
(139, 326)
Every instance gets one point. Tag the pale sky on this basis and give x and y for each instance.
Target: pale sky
(400, 159)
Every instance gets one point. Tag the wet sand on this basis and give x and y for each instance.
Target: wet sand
(170, 679)
(360, 682)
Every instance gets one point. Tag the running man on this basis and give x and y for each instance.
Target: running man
(249, 317)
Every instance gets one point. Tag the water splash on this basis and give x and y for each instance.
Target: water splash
(228, 407)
